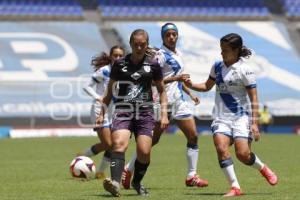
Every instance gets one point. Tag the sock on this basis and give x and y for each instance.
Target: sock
(139, 172)
(104, 163)
(90, 151)
(228, 170)
(256, 162)
(130, 166)
(192, 158)
(117, 165)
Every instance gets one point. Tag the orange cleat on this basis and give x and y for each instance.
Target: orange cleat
(234, 191)
(269, 175)
(196, 181)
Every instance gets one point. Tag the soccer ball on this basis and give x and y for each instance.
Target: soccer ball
(83, 167)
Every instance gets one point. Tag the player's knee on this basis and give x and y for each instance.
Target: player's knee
(222, 151)
(243, 155)
(118, 146)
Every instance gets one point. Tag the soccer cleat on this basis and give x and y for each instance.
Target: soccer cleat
(196, 181)
(126, 176)
(140, 189)
(112, 187)
(234, 191)
(100, 175)
(269, 175)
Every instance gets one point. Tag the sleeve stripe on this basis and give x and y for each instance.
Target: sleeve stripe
(251, 86)
(94, 78)
(212, 78)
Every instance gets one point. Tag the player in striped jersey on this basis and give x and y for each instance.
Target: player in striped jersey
(235, 117)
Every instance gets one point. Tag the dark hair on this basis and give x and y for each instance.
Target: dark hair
(235, 41)
(139, 32)
(104, 59)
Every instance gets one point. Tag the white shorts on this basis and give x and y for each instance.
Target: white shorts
(238, 127)
(177, 110)
(95, 112)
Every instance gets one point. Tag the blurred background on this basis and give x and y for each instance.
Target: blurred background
(46, 47)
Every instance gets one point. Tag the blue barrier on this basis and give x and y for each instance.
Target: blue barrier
(4, 131)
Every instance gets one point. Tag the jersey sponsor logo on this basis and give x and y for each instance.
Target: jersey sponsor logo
(30, 55)
(124, 69)
(147, 68)
(136, 76)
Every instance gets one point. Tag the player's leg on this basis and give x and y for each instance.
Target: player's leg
(129, 168)
(222, 137)
(120, 140)
(243, 151)
(105, 136)
(182, 113)
(144, 126)
(188, 127)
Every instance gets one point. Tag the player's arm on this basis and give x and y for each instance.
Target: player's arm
(201, 87)
(180, 77)
(191, 95)
(106, 100)
(252, 93)
(163, 103)
(89, 89)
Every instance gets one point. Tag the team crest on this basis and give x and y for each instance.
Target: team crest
(147, 68)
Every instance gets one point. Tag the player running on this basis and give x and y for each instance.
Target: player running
(235, 118)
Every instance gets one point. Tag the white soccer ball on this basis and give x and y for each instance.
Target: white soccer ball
(83, 167)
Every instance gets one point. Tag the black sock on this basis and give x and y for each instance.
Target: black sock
(107, 154)
(117, 165)
(93, 149)
(139, 171)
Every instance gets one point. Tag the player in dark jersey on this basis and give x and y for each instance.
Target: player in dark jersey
(130, 86)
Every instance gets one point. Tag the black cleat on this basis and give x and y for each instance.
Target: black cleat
(140, 189)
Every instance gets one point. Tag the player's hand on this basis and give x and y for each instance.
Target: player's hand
(151, 51)
(164, 122)
(182, 77)
(195, 99)
(99, 120)
(255, 132)
(188, 82)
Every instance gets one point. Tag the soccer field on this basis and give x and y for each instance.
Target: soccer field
(38, 169)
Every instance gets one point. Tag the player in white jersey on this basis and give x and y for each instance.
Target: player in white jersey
(96, 88)
(235, 117)
(180, 110)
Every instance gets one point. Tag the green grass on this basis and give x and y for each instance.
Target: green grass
(38, 169)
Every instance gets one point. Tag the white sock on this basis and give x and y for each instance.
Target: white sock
(230, 176)
(88, 152)
(130, 166)
(257, 163)
(192, 158)
(104, 163)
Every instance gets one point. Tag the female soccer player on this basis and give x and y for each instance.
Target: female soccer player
(102, 66)
(234, 121)
(172, 66)
(130, 86)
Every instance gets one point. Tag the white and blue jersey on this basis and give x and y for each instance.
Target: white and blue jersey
(99, 81)
(232, 106)
(101, 78)
(172, 65)
(231, 98)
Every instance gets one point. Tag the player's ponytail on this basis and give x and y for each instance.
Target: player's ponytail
(100, 61)
(104, 59)
(236, 42)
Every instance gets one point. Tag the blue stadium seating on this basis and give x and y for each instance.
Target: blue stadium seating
(36, 8)
(292, 8)
(188, 8)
